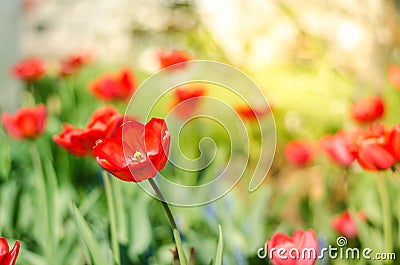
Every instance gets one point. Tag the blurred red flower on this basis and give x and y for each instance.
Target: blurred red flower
(114, 87)
(394, 75)
(378, 148)
(345, 225)
(8, 257)
(248, 113)
(170, 57)
(80, 142)
(300, 152)
(191, 93)
(367, 109)
(297, 248)
(340, 147)
(29, 70)
(28, 5)
(27, 123)
(394, 140)
(73, 63)
(146, 150)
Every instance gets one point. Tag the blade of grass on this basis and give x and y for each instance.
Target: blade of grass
(5, 157)
(113, 218)
(51, 190)
(43, 205)
(181, 253)
(90, 200)
(220, 248)
(88, 238)
(120, 213)
(386, 213)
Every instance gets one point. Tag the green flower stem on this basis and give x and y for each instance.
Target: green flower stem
(178, 242)
(29, 87)
(164, 204)
(387, 224)
(29, 94)
(113, 219)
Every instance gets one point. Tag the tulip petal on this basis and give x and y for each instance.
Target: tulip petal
(157, 140)
(132, 132)
(10, 126)
(14, 253)
(375, 157)
(102, 115)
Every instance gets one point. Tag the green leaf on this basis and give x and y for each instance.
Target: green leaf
(220, 248)
(181, 253)
(90, 201)
(51, 190)
(89, 239)
(113, 218)
(119, 211)
(5, 157)
(28, 257)
(140, 226)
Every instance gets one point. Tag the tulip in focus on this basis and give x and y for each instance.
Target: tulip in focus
(167, 58)
(8, 257)
(109, 87)
(29, 70)
(137, 152)
(345, 225)
(298, 248)
(368, 109)
(27, 123)
(80, 142)
(300, 153)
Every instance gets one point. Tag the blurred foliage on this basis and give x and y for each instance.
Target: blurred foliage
(40, 183)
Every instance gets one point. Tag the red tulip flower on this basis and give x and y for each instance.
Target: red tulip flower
(394, 140)
(300, 153)
(394, 75)
(30, 70)
(192, 92)
(339, 147)
(8, 257)
(73, 63)
(168, 58)
(367, 109)
(345, 225)
(27, 123)
(378, 148)
(295, 250)
(114, 87)
(80, 142)
(248, 113)
(137, 152)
